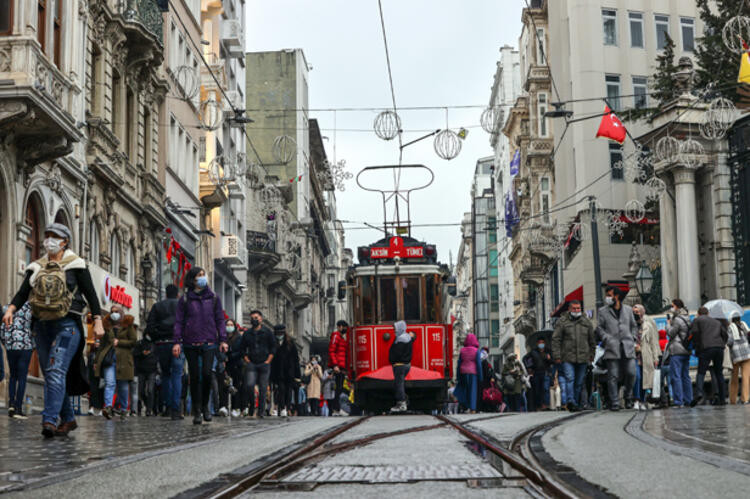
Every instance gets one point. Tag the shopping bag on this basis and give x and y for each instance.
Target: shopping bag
(656, 390)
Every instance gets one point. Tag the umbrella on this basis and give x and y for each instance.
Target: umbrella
(545, 334)
(722, 309)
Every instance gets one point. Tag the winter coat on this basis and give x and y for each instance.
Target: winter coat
(258, 344)
(18, 336)
(537, 361)
(739, 343)
(285, 364)
(679, 332)
(469, 355)
(337, 350)
(199, 319)
(512, 370)
(145, 363)
(126, 336)
(329, 386)
(650, 351)
(161, 320)
(573, 340)
(616, 331)
(314, 386)
(467, 388)
(234, 356)
(708, 333)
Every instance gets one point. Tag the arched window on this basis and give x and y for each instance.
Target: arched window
(62, 218)
(34, 210)
(114, 254)
(131, 265)
(94, 246)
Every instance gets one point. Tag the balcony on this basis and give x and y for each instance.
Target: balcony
(37, 103)
(232, 38)
(145, 13)
(261, 251)
(211, 194)
(214, 67)
(232, 250)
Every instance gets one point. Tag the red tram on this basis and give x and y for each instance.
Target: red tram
(398, 279)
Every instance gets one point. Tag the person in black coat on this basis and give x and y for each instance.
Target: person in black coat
(146, 368)
(258, 349)
(285, 370)
(399, 355)
(537, 363)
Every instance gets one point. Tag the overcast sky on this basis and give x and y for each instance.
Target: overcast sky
(443, 53)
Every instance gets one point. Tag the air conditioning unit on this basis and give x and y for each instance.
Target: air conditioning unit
(232, 250)
(232, 37)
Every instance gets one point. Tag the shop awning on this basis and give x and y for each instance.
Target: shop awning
(576, 294)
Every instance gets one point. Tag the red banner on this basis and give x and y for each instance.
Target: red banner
(397, 249)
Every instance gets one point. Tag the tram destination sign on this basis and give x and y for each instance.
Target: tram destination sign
(395, 249)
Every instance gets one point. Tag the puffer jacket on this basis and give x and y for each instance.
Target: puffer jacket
(573, 340)
(337, 350)
(679, 333)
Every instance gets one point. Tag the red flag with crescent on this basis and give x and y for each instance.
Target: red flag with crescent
(611, 127)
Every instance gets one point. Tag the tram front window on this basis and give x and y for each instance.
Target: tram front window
(432, 315)
(412, 304)
(388, 299)
(368, 296)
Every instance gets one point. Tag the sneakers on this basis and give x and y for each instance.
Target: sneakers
(108, 412)
(223, 412)
(245, 413)
(197, 418)
(236, 413)
(11, 412)
(274, 413)
(399, 407)
(697, 400)
(91, 411)
(19, 415)
(283, 413)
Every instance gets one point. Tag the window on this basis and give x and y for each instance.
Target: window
(131, 125)
(94, 248)
(540, 51)
(494, 293)
(609, 21)
(34, 222)
(495, 333)
(131, 265)
(613, 91)
(388, 301)
(433, 314)
(97, 70)
(662, 30)
(493, 263)
(636, 29)
(542, 110)
(412, 303)
(615, 156)
(114, 254)
(41, 24)
(6, 17)
(492, 229)
(57, 31)
(117, 117)
(148, 145)
(687, 27)
(546, 200)
(640, 92)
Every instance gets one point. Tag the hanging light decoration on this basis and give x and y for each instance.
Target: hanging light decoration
(635, 211)
(387, 125)
(734, 32)
(491, 117)
(284, 149)
(217, 174)
(211, 114)
(667, 149)
(581, 232)
(711, 129)
(616, 224)
(723, 111)
(339, 174)
(188, 80)
(271, 199)
(634, 172)
(690, 152)
(655, 187)
(447, 144)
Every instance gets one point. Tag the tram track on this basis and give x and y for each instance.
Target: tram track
(517, 465)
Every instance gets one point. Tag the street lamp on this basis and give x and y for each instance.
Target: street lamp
(644, 279)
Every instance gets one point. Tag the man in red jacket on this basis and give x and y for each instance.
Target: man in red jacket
(337, 361)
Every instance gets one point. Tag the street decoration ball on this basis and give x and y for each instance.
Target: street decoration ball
(211, 114)
(387, 125)
(690, 152)
(655, 187)
(635, 211)
(188, 80)
(284, 149)
(447, 144)
(667, 149)
(735, 31)
(490, 118)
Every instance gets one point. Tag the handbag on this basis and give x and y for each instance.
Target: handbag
(492, 395)
(109, 358)
(656, 390)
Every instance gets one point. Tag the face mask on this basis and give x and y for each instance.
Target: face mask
(541, 346)
(115, 316)
(201, 281)
(575, 315)
(230, 329)
(254, 322)
(315, 362)
(609, 300)
(280, 339)
(53, 245)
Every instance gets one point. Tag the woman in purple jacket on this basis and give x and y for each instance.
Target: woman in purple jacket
(199, 326)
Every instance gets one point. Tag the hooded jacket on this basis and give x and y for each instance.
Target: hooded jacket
(199, 319)
(679, 333)
(126, 336)
(470, 363)
(337, 350)
(402, 347)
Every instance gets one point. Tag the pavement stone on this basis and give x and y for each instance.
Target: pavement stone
(504, 429)
(596, 446)
(384, 424)
(408, 490)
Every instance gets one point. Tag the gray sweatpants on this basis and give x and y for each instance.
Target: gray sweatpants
(399, 381)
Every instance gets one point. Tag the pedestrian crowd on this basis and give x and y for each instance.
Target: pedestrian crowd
(190, 358)
(624, 360)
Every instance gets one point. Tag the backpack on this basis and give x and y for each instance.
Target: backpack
(50, 297)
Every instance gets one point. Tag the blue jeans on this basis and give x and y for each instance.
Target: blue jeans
(679, 378)
(18, 366)
(171, 375)
(110, 383)
(637, 385)
(571, 382)
(57, 343)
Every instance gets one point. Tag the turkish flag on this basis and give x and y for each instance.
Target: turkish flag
(611, 127)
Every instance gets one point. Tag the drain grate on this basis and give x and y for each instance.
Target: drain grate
(392, 474)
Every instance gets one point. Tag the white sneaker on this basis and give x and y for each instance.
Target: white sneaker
(245, 412)
(223, 412)
(343, 413)
(235, 413)
(283, 413)
(98, 413)
(400, 407)
(274, 413)
(91, 411)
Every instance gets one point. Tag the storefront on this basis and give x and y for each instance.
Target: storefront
(110, 289)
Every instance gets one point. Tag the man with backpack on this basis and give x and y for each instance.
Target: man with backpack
(160, 327)
(55, 286)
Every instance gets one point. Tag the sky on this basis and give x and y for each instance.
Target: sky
(443, 53)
